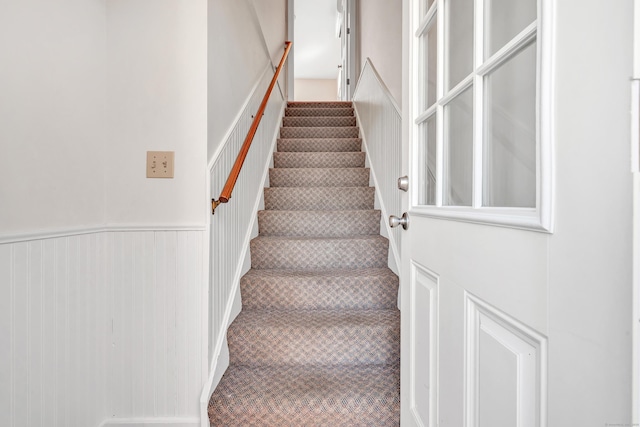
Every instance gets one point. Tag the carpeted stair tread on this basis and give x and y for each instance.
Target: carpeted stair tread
(314, 337)
(320, 132)
(319, 252)
(358, 396)
(319, 121)
(319, 177)
(319, 223)
(319, 144)
(363, 288)
(317, 342)
(319, 104)
(318, 198)
(319, 160)
(318, 112)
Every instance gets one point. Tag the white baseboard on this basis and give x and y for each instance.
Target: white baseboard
(151, 422)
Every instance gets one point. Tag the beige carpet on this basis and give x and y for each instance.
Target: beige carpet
(318, 340)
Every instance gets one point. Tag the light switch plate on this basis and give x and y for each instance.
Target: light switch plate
(160, 164)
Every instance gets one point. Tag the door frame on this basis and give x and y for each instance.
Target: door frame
(635, 170)
(349, 60)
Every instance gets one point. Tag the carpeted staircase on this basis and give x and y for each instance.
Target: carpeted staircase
(318, 340)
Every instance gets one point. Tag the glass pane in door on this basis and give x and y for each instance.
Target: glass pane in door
(429, 61)
(510, 148)
(458, 171)
(504, 19)
(428, 168)
(460, 41)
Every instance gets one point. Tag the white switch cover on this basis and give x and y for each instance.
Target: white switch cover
(160, 164)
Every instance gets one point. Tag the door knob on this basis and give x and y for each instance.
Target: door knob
(403, 183)
(394, 221)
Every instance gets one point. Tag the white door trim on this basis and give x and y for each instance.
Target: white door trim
(635, 169)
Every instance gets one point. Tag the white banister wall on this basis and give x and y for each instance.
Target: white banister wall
(233, 222)
(381, 130)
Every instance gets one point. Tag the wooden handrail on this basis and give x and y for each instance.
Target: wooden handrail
(225, 195)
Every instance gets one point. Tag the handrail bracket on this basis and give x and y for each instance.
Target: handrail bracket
(214, 204)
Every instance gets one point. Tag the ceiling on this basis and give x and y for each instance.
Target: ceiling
(316, 47)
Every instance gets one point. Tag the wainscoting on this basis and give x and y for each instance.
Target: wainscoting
(104, 327)
(381, 130)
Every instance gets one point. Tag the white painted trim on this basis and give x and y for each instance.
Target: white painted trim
(426, 115)
(385, 89)
(428, 20)
(142, 422)
(109, 228)
(636, 303)
(210, 385)
(474, 307)
(225, 139)
(291, 38)
(509, 50)
(434, 344)
(524, 218)
(635, 168)
(635, 125)
(385, 213)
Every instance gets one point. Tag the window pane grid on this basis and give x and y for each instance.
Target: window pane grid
(486, 156)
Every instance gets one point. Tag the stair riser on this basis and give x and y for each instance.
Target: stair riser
(318, 198)
(358, 252)
(319, 145)
(319, 132)
(317, 104)
(304, 293)
(319, 224)
(318, 121)
(326, 177)
(318, 112)
(350, 343)
(318, 160)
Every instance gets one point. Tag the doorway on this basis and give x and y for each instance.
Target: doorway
(318, 64)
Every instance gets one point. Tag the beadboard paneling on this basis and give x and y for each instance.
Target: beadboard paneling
(232, 222)
(102, 325)
(381, 129)
(55, 327)
(158, 353)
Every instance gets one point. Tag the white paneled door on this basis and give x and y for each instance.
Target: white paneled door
(473, 275)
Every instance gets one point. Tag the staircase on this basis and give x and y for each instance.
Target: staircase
(318, 340)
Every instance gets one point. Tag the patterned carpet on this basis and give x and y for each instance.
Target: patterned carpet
(318, 340)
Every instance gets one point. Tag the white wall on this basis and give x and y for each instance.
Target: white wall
(157, 89)
(380, 38)
(237, 58)
(272, 16)
(316, 89)
(101, 324)
(52, 110)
